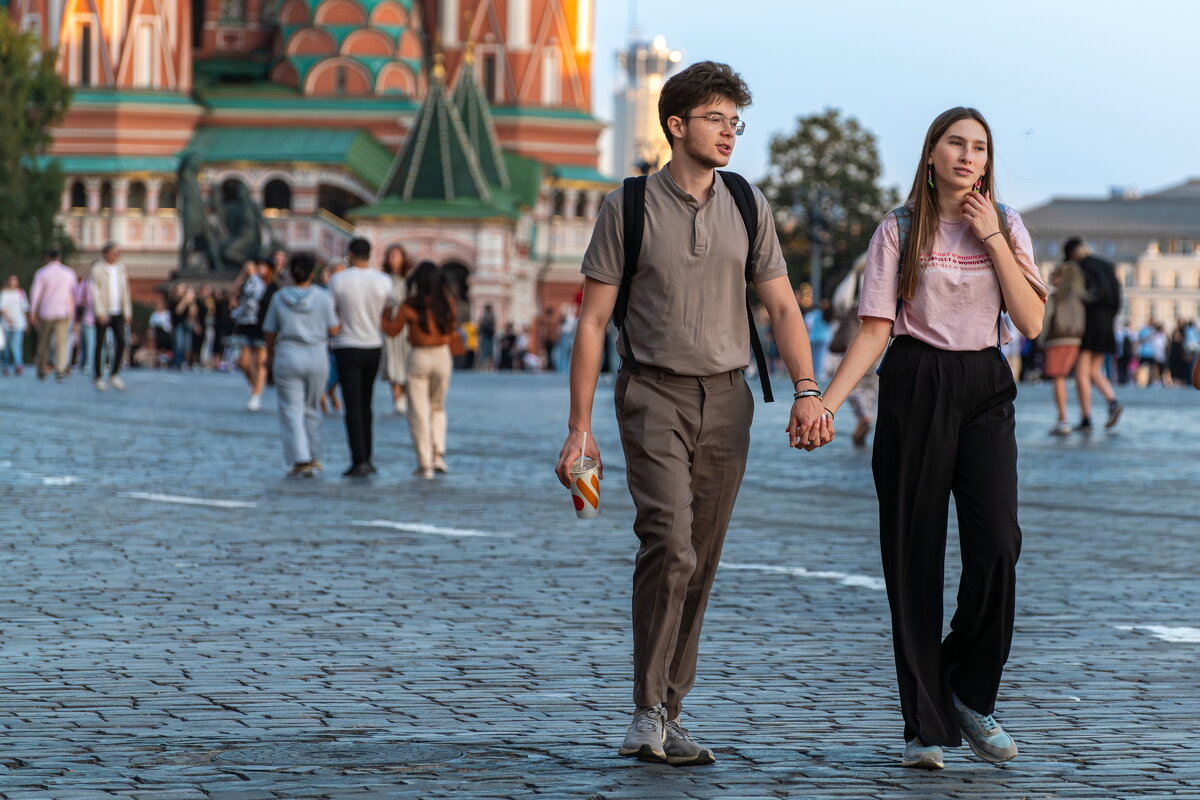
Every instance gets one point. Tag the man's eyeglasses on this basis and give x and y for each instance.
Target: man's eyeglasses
(738, 125)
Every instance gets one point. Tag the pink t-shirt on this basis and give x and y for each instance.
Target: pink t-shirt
(957, 302)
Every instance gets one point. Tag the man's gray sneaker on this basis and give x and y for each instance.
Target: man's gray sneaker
(922, 756)
(646, 734)
(985, 736)
(684, 751)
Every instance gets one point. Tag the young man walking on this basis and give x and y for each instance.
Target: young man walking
(683, 406)
(360, 294)
(51, 309)
(113, 308)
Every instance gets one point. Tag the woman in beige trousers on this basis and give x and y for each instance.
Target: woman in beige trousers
(431, 317)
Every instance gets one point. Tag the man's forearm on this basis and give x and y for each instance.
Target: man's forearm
(791, 334)
(586, 358)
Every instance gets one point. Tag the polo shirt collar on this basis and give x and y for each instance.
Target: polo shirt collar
(718, 186)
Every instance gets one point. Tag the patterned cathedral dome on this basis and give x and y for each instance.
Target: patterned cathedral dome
(350, 47)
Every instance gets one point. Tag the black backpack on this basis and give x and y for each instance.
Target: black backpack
(634, 215)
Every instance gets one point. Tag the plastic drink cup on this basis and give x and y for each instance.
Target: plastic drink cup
(585, 487)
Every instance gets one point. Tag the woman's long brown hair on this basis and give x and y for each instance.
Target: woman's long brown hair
(922, 198)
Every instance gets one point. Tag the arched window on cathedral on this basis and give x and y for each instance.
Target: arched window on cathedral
(78, 196)
(106, 196)
(558, 203)
(277, 195)
(137, 196)
(581, 205)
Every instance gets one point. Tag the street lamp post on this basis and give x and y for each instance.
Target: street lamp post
(820, 213)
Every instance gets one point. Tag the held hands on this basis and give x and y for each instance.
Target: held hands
(811, 426)
(570, 453)
(980, 213)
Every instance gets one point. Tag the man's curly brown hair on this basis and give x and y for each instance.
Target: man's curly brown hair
(697, 85)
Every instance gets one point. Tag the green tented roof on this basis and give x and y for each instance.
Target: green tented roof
(473, 111)
(437, 161)
(111, 165)
(358, 151)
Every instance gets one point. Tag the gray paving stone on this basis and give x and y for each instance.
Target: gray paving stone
(145, 641)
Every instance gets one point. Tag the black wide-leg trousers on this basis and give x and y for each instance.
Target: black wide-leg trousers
(946, 425)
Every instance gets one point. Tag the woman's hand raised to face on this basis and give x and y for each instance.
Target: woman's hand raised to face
(980, 212)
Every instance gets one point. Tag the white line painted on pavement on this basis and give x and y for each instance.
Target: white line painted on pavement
(189, 501)
(62, 480)
(415, 527)
(844, 578)
(1189, 635)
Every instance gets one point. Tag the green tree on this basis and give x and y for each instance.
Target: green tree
(33, 98)
(824, 184)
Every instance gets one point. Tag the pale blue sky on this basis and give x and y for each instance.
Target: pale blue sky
(1081, 96)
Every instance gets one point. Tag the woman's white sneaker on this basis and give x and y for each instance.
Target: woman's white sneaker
(985, 736)
(922, 756)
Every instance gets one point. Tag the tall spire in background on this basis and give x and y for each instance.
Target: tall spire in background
(476, 118)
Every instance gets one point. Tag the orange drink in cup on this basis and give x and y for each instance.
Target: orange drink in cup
(585, 485)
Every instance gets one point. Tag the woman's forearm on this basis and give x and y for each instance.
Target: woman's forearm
(1024, 306)
(862, 354)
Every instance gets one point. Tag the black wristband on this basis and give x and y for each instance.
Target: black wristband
(801, 380)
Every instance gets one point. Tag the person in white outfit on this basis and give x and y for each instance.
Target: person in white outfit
(395, 349)
(113, 308)
(360, 295)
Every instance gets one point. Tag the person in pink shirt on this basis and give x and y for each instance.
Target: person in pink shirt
(52, 307)
(940, 270)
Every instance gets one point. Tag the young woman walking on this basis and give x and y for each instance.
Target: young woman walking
(299, 323)
(940, 270)
(395, 349)
(432, 319)
(1062, 334)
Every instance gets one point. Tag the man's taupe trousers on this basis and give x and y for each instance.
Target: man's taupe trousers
(60, 331)
(685, 442)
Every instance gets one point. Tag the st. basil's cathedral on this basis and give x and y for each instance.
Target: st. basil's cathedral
(460, 129)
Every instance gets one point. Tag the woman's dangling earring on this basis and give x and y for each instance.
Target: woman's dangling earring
(978, 185)
(929, 175)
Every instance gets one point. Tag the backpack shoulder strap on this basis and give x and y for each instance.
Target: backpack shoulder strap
(633, 217)
(747, 205)
(903, 226)
(743, 196)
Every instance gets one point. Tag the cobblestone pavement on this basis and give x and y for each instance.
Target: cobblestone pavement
(178, 621)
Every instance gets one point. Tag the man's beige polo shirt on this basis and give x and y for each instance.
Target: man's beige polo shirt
(687, 302)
